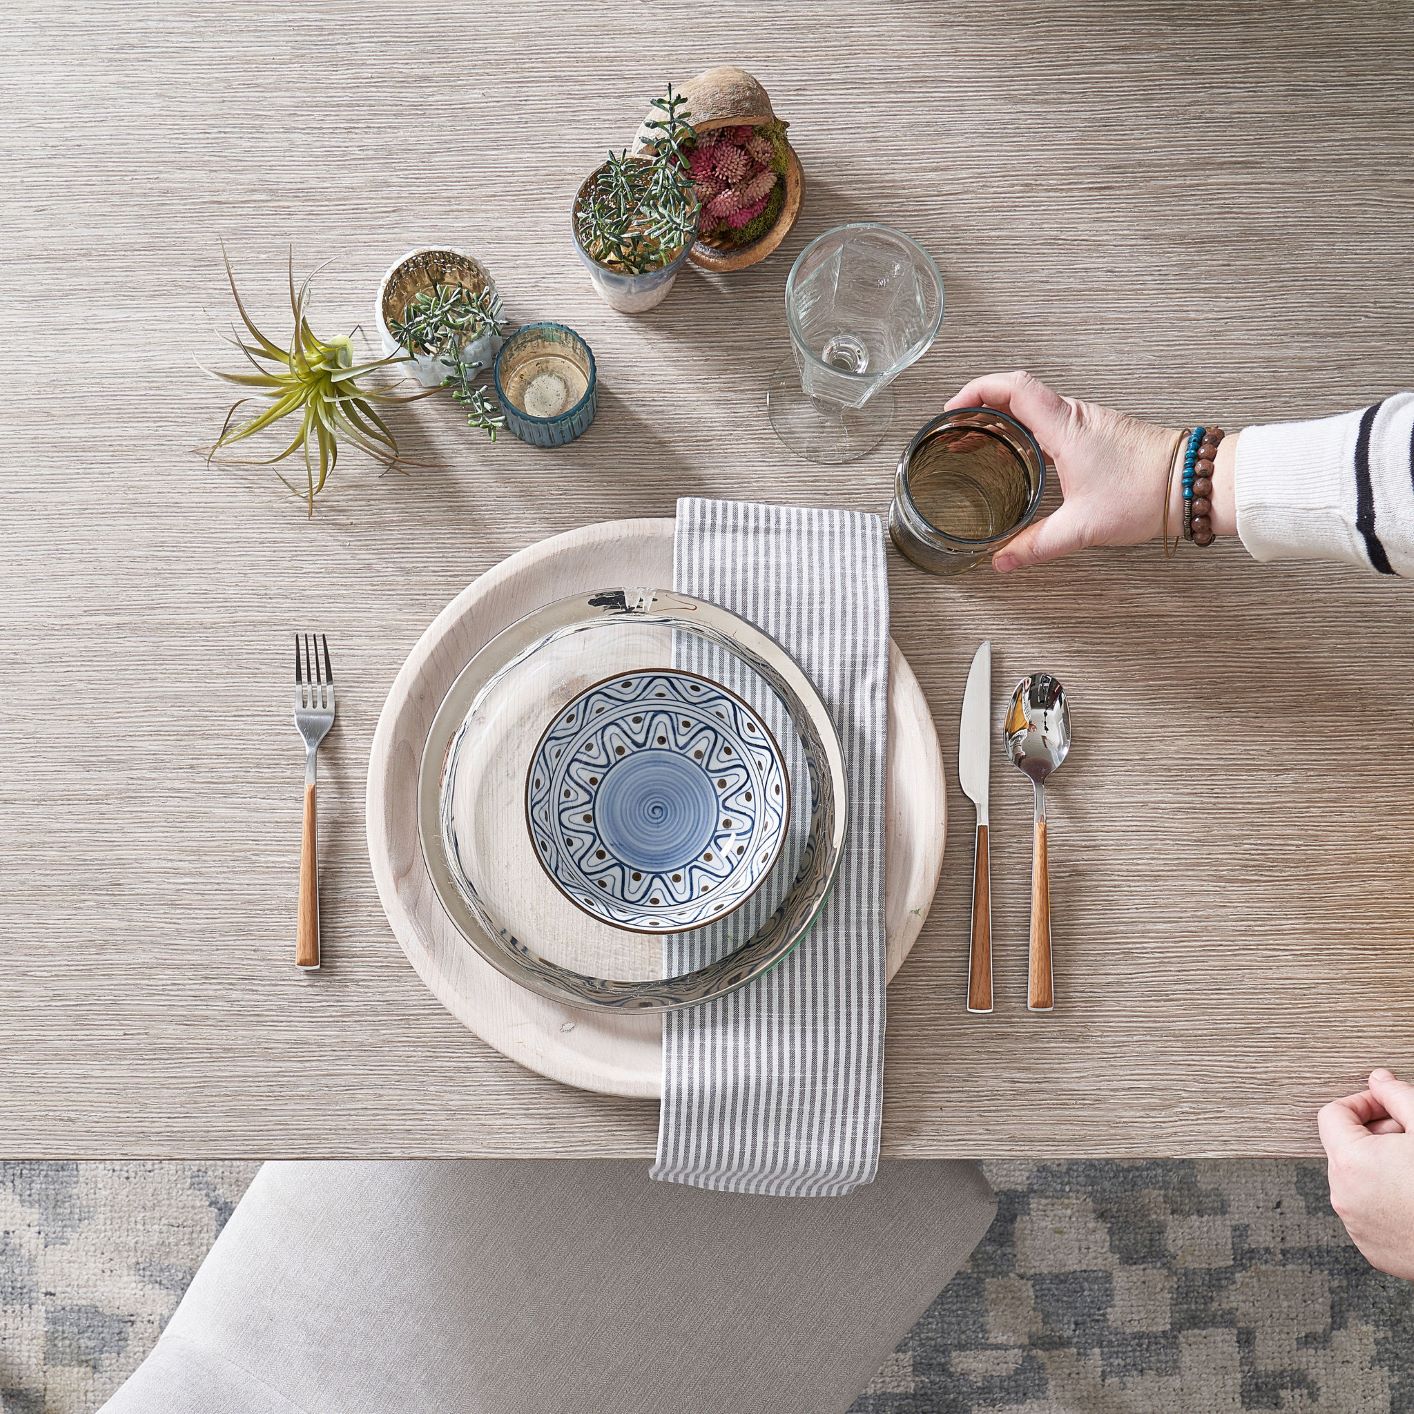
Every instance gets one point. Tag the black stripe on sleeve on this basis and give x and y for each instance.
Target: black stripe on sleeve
(1365, 493)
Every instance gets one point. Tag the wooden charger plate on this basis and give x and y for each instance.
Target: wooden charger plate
(606, 1052)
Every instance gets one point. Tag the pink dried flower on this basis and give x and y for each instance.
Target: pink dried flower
(742, 134)
(699, 162)
(760, 149)
(757, 188)
(730, 163)
(726, 204)
(708, 187)
(738, 219)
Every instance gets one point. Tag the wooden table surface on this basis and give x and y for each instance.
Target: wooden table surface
(1210, 218)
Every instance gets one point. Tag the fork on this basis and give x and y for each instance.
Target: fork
(314, 715)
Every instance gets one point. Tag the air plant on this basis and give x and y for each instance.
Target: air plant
(319, 381)
(637, 212)
(442, 322)
(739, 173)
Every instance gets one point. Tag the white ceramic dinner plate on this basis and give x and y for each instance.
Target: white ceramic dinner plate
(610, 1053)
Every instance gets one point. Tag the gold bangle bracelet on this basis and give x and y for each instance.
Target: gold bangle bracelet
(1182, 438)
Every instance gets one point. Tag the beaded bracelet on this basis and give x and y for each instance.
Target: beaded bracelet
(1198, 484)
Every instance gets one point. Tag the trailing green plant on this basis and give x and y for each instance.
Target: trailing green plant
(479, 406)
(441, 323)
(316, 380)
(442, 320)
(637, 212)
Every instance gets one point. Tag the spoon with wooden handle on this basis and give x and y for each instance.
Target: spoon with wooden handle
(1037, 731)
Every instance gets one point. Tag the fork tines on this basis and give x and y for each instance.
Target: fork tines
(314, 673)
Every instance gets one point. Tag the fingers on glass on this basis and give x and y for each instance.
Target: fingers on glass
(1020, 393)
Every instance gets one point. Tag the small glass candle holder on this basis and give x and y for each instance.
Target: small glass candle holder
(546, 384)
(968, 482)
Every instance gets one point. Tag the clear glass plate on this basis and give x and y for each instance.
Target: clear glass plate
(472, 801)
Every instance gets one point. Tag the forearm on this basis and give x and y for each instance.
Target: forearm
(1224, 486)
(1340, 488)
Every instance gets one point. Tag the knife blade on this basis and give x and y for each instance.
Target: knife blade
(974, 750)
(974, 761)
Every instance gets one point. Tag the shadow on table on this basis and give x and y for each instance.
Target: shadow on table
(667, 469)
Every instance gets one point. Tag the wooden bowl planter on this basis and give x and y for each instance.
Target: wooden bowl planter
(420, 270)
(621, 290)
(723, 103)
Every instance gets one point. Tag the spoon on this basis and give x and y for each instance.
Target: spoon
(1037, 732)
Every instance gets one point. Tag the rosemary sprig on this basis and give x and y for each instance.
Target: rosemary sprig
(637, 213)
(443, 322)
(447, 316)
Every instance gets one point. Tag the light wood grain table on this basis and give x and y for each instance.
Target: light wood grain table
(1208, 218)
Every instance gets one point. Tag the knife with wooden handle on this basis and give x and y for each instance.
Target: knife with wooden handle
(974, 758)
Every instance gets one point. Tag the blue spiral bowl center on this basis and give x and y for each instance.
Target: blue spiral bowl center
(656, 810)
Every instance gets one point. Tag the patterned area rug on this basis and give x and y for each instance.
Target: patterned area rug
(93, 1260)
(1159, 1288)
(1102, 1288)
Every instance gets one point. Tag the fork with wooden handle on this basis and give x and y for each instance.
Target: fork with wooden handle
(314, 715)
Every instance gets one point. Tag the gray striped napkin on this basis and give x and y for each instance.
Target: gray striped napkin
(778, 1088)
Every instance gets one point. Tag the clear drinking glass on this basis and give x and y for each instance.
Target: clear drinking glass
(863, 302)
(966, 484)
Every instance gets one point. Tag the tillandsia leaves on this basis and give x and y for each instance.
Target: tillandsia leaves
(444, 321)
(315, 380)
(637, 212)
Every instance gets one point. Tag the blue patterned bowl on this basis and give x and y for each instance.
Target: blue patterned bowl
(657, 801)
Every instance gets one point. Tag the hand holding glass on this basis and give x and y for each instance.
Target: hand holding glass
(968, 482)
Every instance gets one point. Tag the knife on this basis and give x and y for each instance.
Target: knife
(974, 758)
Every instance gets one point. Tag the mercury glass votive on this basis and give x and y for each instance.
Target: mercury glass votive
(546, 384)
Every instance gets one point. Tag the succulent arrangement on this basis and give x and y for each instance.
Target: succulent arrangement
(636, 213)
(739, 173)
(441, 322)
(316, 380)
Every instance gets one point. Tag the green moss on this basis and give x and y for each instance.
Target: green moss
(780, 149)
(758, 226)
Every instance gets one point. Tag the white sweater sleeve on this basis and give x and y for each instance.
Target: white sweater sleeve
(1341, 488)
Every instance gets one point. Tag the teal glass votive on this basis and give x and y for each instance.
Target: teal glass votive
(546, 384)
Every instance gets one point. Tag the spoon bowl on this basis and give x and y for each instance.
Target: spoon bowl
(1037, 731)
(1038, 727)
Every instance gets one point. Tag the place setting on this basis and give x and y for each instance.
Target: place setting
(453, 784)
(782, 631)
(776, 646)
(657, 807)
